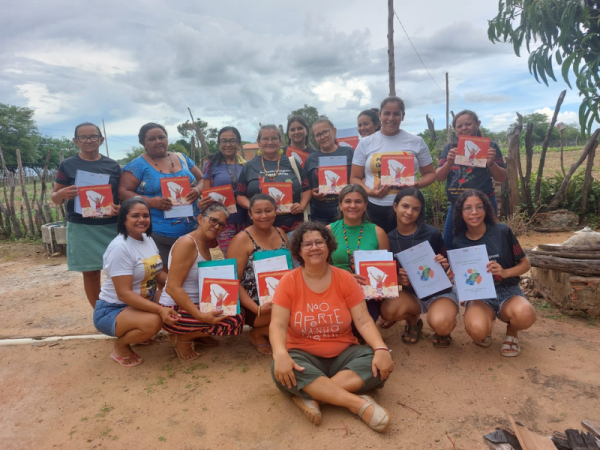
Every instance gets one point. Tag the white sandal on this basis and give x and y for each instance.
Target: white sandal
(380, 419)
(511, 344)
(309, 407)
(487, 341)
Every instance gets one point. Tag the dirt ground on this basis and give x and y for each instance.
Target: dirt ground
(69, 394)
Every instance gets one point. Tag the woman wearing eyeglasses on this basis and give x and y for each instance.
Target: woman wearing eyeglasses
(224, 168)
(272, 166)
(142, 177)
(182, 292)
(87, 237)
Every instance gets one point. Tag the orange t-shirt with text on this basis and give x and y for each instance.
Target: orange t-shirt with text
(320, 324)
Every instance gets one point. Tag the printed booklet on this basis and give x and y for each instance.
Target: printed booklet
(379, 267)
(85, 178)
(282, 193)
(220, 270)
(176, 189)
(299, 155)
(223, 195)
(472, 151)
(96, 201)
(426, 275)
(267, 283)
(269, 267)
(397, 169)
(471, 278)
(220, 295)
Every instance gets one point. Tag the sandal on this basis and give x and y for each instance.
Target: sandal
(194, 354)
(122, 360)
(412, 332)
(380, 419)
(510, 347)
(440, 341)
(309, 407)
(387, 323)
(486, 342)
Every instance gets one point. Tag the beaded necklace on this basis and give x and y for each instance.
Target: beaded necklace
(153, 158)
(351, 254)
(272, 178)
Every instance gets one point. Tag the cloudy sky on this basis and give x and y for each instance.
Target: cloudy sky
(240, 62)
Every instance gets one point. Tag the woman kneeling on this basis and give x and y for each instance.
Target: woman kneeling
(182, 292)
(132, 267)
(315, 355)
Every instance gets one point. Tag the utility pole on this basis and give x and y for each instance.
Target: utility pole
(105, 138)
(447, 110)
(391, 63)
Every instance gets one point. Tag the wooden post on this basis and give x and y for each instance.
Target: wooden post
(538, 181)
(200, 137)
(588, 180)
(431, 128)
(10, 203)
(391, 61)
(526, 178)
(24, 193)
(105, 138)
(512, 166)
(193, 150)
(448, 110)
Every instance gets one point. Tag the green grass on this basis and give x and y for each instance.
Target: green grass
(105, 410)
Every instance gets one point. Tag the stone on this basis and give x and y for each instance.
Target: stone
(560, 218)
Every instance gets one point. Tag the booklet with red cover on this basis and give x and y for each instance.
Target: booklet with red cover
(397, 169)
(382, 277)
(223, 195)
(267, 283)
(472, 151)
(332, 179)
(96, 201)
(175, 189)
(282, 193)
(300, 155)
(220, 295)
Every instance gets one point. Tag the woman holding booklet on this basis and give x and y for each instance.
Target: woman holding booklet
(298, 146)
(328, 171)
(388, 160)
(143, 176)
(182, 291)
(442, 306)
(126, 307)
(475, 225)
(459, 178)
(87, 237)
(223, 168)
(273, 173)
(353, 231)
(262, 235)
(316, 358)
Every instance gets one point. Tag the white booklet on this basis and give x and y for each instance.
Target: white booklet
(179, 211)
(223, 272)
(85, 178)
(471, 278)
(273, 264)
(371, 255)
(426, 275)
(329, 161)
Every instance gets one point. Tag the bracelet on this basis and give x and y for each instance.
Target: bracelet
(258, 315)
(383, 348)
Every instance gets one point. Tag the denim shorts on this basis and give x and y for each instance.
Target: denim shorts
(427, 301)
(503, 293)
(105, 316)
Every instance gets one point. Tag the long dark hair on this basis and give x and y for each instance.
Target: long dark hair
(459, 223)
(372, 114)
(125, 208)
(416, 193)
(302, 122)
(217, 157)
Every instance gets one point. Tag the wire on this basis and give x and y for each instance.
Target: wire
(420, 59)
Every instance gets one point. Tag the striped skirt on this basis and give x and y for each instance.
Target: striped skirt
(228, 234)
(231, 326)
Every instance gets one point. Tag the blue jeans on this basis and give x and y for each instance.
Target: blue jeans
(449, 225)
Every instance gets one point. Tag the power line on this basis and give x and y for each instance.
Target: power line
(420, 59)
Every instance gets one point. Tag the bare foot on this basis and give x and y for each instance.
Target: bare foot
(386, 323)
(260, 342)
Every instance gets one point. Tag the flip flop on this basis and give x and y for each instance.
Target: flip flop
(440, 341)
(123, 359)
(412, 332)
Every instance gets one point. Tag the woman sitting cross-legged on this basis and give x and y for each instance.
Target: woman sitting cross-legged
(182, 292)
(316, 358)
(133, 268)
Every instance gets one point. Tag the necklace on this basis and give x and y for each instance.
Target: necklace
(272, 178)
(153, 158)
(351, 254)
(412, 243)
(232, 176)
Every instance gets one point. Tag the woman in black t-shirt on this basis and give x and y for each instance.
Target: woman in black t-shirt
(441, 307)
(475, 224)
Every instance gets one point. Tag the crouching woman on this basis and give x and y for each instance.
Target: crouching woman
(316, 358)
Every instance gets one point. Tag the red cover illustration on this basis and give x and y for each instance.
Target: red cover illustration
(300, 155)
(472, 151)
(96, 201)
(332, 179)
(397, 169)
(220, 295)
(282, 193)
(382, 277)
(267, 283)
(176, 189)
(223, 195)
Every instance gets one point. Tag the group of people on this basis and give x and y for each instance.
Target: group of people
(319, 329)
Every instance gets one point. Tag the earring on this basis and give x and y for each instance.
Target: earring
(281, 151)
(259, 152)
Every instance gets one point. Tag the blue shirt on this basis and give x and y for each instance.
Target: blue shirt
(150, 187)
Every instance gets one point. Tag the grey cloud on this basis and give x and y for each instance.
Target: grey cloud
(480, 97)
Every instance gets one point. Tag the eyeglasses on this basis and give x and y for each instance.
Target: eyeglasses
(228, 141)
(323, 134)
(308, 245)
(267, 140)
(91, 138)
(216, 223)
(469, 209)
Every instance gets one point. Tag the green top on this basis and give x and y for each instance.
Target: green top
(368, 242)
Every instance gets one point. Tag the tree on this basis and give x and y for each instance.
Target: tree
(567, 32)
(186, 129)
(132, 154)
(56, 145)
(311, 114)
(540, 127)
(18, 131)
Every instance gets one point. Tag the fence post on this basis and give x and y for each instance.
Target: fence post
(24, 192)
